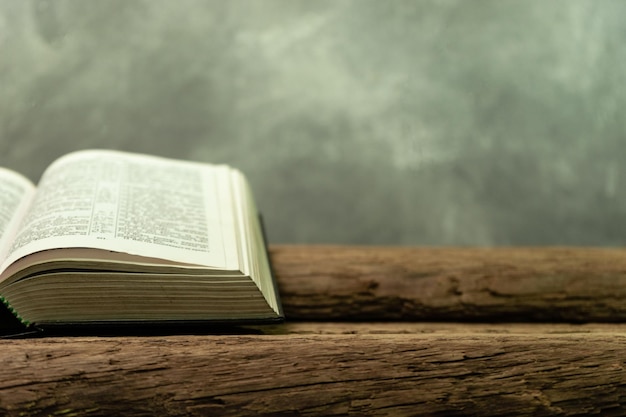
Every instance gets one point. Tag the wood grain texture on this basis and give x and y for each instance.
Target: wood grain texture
(357, 343)
(436, 328)
(361, 374)
(458, 284)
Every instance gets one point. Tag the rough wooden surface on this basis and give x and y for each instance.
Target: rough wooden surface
(506, 284)
(522, 372)
(357, 343)
(437, 328)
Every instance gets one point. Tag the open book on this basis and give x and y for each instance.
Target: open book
(111, 237)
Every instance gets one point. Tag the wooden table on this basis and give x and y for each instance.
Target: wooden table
(371, 331)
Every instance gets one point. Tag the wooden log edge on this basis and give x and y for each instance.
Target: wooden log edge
(329, 283)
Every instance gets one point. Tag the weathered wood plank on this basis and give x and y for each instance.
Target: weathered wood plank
(400, 283)
(431, 373)
(370, 365)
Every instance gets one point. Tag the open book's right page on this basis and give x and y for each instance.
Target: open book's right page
(135, 204)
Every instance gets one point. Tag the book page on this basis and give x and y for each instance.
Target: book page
(136, 204)
(16, 192)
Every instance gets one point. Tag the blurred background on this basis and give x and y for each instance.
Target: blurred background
(443, 122)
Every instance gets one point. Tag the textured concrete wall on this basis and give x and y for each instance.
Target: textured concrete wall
(410, 122)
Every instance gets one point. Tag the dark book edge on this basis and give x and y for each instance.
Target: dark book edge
(281, 313)
(11, 325)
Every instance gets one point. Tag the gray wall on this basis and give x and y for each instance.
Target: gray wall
(382, 122)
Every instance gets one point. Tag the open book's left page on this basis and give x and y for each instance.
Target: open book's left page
(16, 193)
